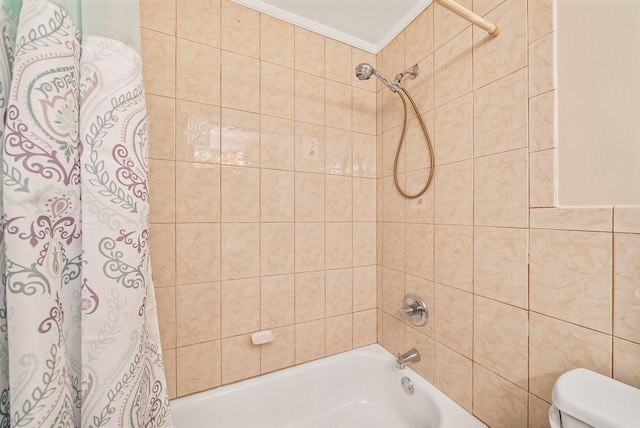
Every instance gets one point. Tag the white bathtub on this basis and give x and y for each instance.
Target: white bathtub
(359, 388)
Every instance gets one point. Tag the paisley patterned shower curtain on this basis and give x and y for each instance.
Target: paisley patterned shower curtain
(79, 342)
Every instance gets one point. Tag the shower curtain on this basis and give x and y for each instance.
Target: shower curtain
(79, 342)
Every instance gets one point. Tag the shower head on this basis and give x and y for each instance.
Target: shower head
(364, 71)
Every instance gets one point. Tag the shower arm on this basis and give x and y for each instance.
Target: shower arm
(474, 18)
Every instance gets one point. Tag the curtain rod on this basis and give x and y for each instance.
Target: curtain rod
(474, 18)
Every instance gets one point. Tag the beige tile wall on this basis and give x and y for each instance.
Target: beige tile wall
(264, 196)
(263, 191)
(519, 291)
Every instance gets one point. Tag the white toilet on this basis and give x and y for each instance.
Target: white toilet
(583, 399)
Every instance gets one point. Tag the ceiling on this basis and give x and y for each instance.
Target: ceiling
(366, 24)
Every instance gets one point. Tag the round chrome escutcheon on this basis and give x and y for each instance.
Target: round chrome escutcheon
(407, 385)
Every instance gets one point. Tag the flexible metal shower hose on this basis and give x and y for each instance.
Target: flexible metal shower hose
(404, 130)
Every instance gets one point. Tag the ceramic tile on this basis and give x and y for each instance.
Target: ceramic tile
(276, 41)
(540, 19)
(453, 375)
(500, 340)
(277, 91)
(236, 294)
(501, 264)
(393, 247)
(364, 328)
(364, 199)
(419, 250)
(626, 280)
(418, 37)
(339, 291)
(625, 362)
(240, 359)
(309, 197)
(207, 357)
(420, 209)
(240, 82)
(309, 247)
(392, 110)
(392, 57)
(337, 105)
(447, 24)
(309, 98)
(390, 141)
(240, 250)
(338, 245)
(197, 132)
(364, 243)
(309, 296)
(500, 190)
(339, 334)
(556, 347)
(364, 111)
(338, 198)
(452, 66)
(364, 288)
(421, 87)
(276, 195)
(163, 254)
(197, 193)
(498, 402)
(166, 307)
(542, 178)
(277, 301)
(392, 334)
(392, 291)
(542, 122)
(277, 138)
(500, 115)
(158, 16)
(198, 310)
(240, 29)
(454, 131)
(162, 186)
(454, 327)
(425, 346)
(364, 155)
(454, 256)
(482, 7)
(159, 63)
(570, 276)
(541, 76)
(538, 412)
(277, 248)
(240, 138)
(280, 353)
(309, 52)
(309, 147)
(496, 57)
(454, 193)
(393, 204)
(337, 157)
(309, 341)
(586, 219)
(627, 219)
(197, 253)
(417, 149)
(199, 21)
(337, 61)
(240, 194)
(161, 112)
(198, 72)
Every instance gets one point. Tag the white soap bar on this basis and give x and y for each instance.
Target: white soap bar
(260, 337)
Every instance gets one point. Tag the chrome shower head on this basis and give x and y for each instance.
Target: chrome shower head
(364, 71)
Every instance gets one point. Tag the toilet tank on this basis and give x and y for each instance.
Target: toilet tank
(597, 400)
